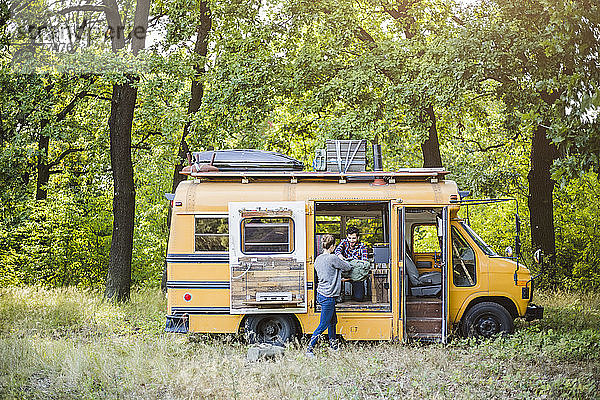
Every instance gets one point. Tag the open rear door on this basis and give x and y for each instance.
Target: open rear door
(267, 255)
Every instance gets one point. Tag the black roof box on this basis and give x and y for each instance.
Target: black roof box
(248, 160)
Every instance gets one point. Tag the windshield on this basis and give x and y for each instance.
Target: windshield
(482, 245)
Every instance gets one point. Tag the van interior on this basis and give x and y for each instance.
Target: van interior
(423, 254)
(372, 220)
(423, 259)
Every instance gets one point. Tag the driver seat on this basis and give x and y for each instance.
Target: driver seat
(426, 284)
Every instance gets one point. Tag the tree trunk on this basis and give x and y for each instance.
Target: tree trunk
(124, 96)
(43, 169)
(44, 164)
(431, 146)
(118, 280)
(197, 90)
(541, 188)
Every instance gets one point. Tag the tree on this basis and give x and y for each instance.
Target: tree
(540, 54)
(45, 165)
(203, 29)
(118, 281)
(372, 61)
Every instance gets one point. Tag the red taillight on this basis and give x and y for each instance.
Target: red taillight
(187, 297)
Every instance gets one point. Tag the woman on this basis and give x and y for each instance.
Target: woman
(329, 272)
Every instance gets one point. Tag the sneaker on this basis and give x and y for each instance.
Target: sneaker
(333, 345)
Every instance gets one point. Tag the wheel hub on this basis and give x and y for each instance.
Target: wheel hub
(488, 326)
(270, 330)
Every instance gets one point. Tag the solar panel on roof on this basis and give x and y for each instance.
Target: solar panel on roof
(248, 160)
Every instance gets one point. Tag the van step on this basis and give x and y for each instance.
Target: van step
(424, 308)
(426, 325)
(426, 337)
(422, 299)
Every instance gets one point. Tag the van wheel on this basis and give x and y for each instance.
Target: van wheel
(486, 320)
(274, 329)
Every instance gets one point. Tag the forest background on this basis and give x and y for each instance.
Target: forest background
(95, 125)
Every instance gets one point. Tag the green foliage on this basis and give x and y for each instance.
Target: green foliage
(425, 239)
(495, 224)
(58, 243)
(577, 210)
(285, 76)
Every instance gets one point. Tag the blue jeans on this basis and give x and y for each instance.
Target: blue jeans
(358, 290)
(328, 320)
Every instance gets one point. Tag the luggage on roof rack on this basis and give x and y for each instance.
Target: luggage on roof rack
(248, 160)
(346, 155)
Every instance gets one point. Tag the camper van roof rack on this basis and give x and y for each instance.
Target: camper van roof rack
(406, 174)
(258, 165)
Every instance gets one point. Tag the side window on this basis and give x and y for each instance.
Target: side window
(267, 235)
(211, 234)
(425, 239)
(463, 261)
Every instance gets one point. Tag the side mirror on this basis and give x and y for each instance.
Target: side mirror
(509, 252)
(538, 256)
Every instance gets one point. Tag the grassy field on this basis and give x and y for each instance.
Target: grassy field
(62, 344)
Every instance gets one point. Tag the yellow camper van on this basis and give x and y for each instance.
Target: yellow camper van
(243, 241)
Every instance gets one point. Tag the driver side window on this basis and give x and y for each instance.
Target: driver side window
(463, 261)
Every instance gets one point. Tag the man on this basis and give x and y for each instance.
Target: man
(350, 249)
(329, 273)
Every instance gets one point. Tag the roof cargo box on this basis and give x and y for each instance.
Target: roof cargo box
(346, 155)
(248, 160)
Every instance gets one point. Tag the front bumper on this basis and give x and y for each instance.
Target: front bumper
(534, 312)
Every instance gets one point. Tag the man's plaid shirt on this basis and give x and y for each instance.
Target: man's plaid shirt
(358, 252)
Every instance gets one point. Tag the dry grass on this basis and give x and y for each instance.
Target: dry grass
(69, 344)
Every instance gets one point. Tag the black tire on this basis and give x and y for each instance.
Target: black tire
(270, 328)
(486, 320)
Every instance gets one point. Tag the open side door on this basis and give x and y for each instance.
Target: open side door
(267, 256)
(403, 277)
(423, 297)
(445, 235)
